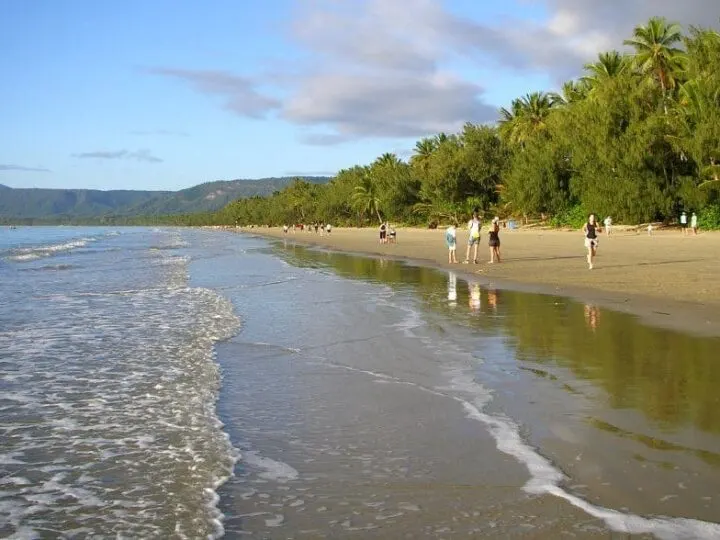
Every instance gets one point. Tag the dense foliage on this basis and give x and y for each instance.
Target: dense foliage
(636, 137)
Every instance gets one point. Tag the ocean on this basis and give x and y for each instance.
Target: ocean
(186, 383)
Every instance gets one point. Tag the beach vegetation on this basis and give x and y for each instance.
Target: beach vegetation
(636, 136)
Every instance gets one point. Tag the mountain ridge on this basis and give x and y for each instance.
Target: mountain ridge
(48, 204)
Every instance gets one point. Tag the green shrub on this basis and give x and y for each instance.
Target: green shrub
(574, 217)
(709, 217)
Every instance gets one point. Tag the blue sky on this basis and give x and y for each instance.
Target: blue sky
(167, 94)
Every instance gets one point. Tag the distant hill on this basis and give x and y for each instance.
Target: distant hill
(49, 204)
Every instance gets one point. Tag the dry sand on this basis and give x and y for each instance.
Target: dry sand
(668, 279)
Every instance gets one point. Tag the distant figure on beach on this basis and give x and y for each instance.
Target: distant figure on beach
(285, 229)
(608, 225)
(494, 240)
(650, 229)
(383, 233)
(694, 223)
(392, 235)
(683, 223)
(591, 240)
(451, 243)
(316, 225)
(474, 239)
(328, 227)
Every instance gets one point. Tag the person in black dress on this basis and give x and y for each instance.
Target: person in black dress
(494, 240)
(591, 230)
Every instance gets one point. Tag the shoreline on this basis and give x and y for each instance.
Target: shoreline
(654, 291)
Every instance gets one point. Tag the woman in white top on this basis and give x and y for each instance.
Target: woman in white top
(474, 239)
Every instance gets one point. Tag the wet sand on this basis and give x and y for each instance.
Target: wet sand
(369, 398)
(669, 280)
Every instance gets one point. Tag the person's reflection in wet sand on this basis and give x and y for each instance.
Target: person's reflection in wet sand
(592, 316)
(452, 289)
(493, 299)
(474, 297)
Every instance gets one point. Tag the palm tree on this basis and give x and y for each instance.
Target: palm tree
(527, 117)
(388, 159)
(609, 65)
(366, 197)
(656, 55)
(424, 149)
(572, 92)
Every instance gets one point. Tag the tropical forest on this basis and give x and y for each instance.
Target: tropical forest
(635, 137)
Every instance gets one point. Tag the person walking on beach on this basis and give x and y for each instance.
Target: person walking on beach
(694, 223)
(383, 233)
(591, 240)
(608, 225)
(474, 239)
(494, 240)
(329, 228)
(451, 243)
(683, 223)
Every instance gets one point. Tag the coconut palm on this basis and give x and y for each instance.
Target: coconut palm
(424, 149)
(609, 65)
(572, 92)
(366, 196)
(388, 159)
(527, 117)
(656, 54)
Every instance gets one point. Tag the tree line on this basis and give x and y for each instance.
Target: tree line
(636, 137)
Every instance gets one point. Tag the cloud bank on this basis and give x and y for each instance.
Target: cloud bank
(20, 168)
(383, 68)
(137, 155)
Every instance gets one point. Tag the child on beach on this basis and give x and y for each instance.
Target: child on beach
(451, 243)
(608, 225)
(474, 240)
(383, 233)
(650, 229)
(590, 229)
(694, 223)
(494, 240)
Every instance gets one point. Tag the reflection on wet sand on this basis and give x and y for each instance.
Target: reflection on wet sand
(492, 295)
(474, 296)
(638, 405)
(592, 316)
(452, 289)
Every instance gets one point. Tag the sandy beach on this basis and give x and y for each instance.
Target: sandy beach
(668, 279)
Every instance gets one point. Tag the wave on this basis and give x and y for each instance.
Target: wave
(545, 478)
(35, 252)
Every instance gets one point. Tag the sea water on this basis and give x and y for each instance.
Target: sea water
(108, 386)
(184, 383)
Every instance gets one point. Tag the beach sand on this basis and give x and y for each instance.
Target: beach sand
(667, 279)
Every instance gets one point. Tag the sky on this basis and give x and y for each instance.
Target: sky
(167, 94)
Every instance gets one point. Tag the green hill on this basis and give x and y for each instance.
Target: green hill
(49, 204)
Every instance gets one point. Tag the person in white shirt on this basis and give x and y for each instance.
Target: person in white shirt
(683, 222)
(474, 239)
(694, 223)
(608, 225)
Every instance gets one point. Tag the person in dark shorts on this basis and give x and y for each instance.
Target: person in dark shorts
(494, 240)
(383, 233)
(591, 230)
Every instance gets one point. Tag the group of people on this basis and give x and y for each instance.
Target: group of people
(693, 223)
(474, 226)
(322, 228)
(388, 234)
